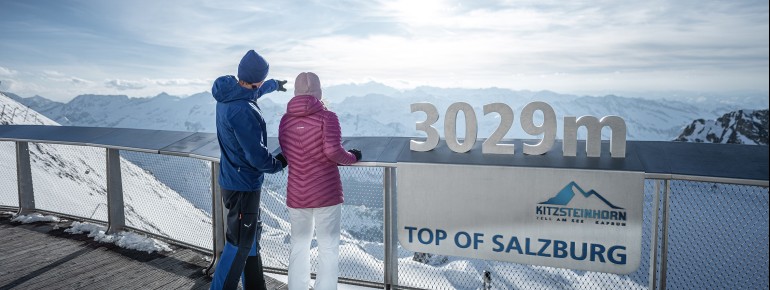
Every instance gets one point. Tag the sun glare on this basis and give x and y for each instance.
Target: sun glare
(419, 13)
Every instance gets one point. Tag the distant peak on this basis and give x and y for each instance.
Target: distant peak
(91, 96)
(744, 126)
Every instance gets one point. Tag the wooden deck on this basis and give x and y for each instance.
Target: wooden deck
(43, 256)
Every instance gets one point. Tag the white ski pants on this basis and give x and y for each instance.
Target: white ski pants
(327, 230)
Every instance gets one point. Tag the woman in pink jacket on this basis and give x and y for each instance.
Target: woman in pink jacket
(311, 141)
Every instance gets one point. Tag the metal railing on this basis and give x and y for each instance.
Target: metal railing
(676, 206)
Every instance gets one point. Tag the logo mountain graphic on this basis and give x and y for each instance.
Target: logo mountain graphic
(568, 192)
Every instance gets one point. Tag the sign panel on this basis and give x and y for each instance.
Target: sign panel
(577, 219)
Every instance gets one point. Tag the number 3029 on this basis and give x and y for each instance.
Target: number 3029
(547, 128)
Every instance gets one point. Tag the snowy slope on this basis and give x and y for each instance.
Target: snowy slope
(737, 127)
(71, 180)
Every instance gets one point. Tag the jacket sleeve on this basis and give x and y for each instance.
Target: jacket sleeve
(332, 135)
(267, 87)
(248, 132)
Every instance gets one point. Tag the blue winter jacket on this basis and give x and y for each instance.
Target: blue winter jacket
(242, 135)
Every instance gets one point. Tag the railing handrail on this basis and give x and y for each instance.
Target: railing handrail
(723, 163)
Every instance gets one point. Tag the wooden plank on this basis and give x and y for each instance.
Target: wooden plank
(114, 280)
(65, 273)
(82, 270)
(36, 256)
(174, 268)
(41, 253)
(37, 269)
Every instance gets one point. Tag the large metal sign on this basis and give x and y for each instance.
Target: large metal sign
(567, 218)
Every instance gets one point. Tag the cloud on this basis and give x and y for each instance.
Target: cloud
(55, 76)
(79, 81)
(577, 44)
(6, 72)
(181, 82)
(153, 83)
(122, 85)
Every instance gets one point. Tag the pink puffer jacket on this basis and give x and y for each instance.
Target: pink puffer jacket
(310, 138)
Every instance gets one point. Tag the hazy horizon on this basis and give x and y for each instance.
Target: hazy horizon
(337, 93)
(60, 50)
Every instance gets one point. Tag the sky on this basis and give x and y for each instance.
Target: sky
(61, 49)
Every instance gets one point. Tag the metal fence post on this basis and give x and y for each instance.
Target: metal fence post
(116, 217)
(24, 178)
(390, 231)
(654, 244)
(664, 247)
(217, 219)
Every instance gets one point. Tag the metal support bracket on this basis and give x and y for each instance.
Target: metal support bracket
(664, 246)
(116, 217)
(24, 177)
(390, 228)
(217, 219)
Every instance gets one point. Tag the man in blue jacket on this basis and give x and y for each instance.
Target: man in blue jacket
(244, 160)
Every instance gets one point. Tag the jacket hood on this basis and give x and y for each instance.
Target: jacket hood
(226, 89)
(307, 83)
(304, 105)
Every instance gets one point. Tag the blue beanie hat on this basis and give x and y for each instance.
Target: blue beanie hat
(253, 68)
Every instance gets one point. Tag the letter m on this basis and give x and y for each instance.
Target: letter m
(594, 137)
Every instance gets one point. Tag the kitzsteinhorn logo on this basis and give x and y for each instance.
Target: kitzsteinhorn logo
(600, 211)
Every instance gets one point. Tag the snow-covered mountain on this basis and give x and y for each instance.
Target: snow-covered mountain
(194, 113)
(376, 110)
(737, 127)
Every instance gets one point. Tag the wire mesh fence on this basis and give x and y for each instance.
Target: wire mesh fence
(718, 236)
(9, 188)
(69, 179)
(169, 196)
(164, 195)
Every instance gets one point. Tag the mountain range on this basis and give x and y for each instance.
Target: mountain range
(377, 110)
